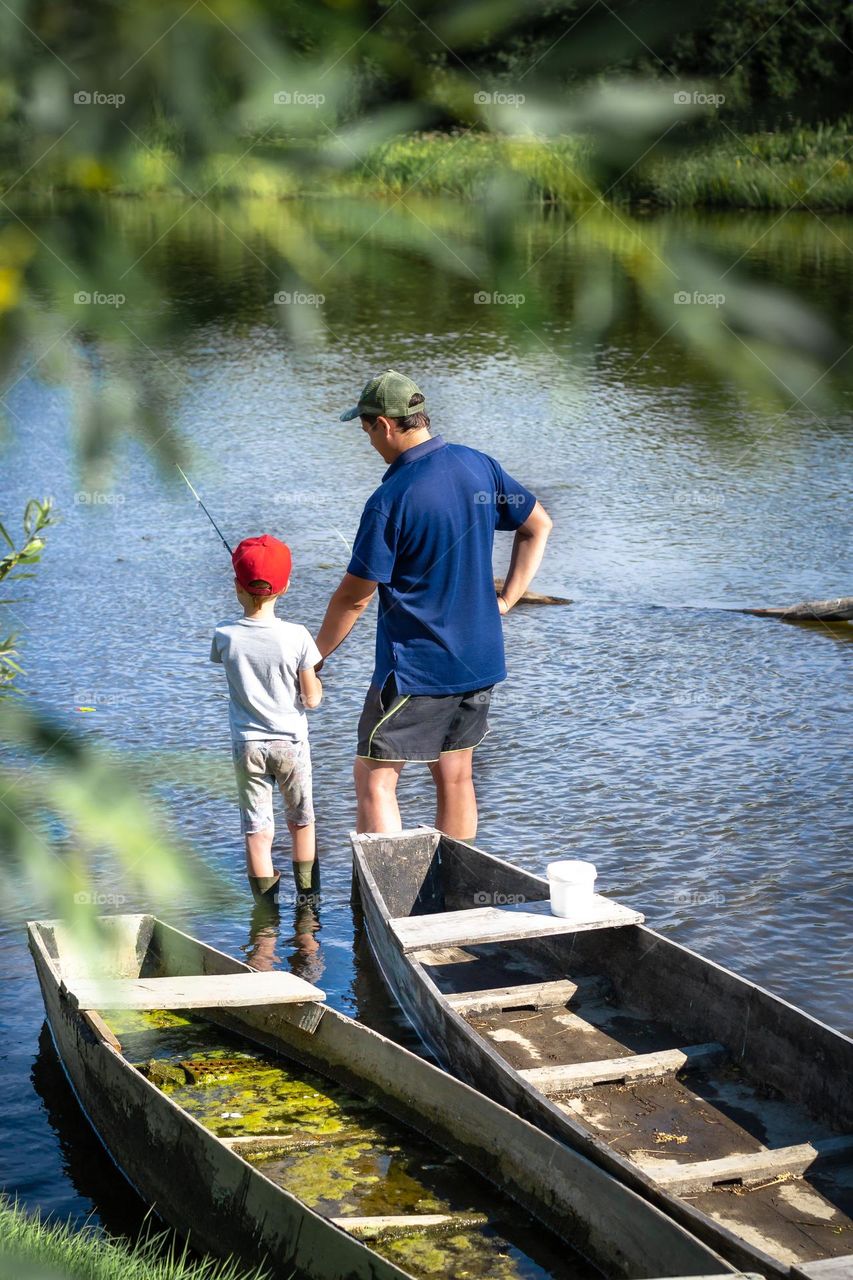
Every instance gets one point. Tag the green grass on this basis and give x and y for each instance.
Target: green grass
(796, 168)
(32, 1248)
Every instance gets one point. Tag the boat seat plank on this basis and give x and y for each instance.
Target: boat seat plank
(406, 1222)
(755, 1166)
(502, 924)
(100, 1030)
(638, 1066)
(826, 1269)
(197, 991)
(257, 1143)
(536, 995)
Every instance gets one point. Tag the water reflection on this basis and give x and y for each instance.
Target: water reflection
(840, 631)
(85, 1162)
(373, 1003)
(271, 946)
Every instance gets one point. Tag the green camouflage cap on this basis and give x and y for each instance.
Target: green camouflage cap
(389, 395)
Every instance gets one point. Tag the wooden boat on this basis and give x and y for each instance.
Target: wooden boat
(724, 1106)
(300, 1181)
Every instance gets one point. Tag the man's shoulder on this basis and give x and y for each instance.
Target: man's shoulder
(385, 500)
(465, 454)
(462, 466)
(452, 458)
(459, 450)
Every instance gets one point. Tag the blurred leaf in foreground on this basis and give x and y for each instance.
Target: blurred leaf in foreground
(77, 832)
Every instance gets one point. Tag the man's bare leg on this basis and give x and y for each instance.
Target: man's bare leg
(376, 795)
(456, 803)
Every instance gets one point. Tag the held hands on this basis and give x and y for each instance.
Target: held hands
(503, 607)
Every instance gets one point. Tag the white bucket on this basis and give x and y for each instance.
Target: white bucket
(572, 886)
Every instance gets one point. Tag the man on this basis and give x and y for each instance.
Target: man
(426, 539)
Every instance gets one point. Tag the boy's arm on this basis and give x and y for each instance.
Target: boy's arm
(310, 688)
(346, 606)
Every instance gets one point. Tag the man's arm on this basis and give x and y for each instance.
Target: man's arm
(527, 550)
(346, 606)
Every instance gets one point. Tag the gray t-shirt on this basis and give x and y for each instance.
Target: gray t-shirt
(262, 661)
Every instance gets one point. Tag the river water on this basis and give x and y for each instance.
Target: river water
(699, 757)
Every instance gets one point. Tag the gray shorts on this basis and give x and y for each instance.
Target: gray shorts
(259, 766)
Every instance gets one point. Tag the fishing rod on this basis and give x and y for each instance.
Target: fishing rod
(206, 512)
(216, 526)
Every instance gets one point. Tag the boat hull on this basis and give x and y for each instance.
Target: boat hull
(760, 1023)
(208, 1192)
(195, 1184)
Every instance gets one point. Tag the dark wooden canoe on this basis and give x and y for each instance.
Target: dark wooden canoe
(206, 1185)
(724, 1106)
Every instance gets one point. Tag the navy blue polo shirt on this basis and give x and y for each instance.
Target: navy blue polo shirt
(426, 537)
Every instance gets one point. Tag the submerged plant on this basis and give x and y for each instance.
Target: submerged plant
(339, 1154)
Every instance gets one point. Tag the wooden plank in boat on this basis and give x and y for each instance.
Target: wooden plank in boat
(638, 1066)
(99, 1029)
(197, 991)
(365, 1228)
(756, 1166)
(502, 924)
(826, 1269)
(254, 1144)
(536, 995)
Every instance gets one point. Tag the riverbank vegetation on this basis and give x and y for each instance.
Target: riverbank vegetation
(34, 1248)
(796, 168)
(802, 167)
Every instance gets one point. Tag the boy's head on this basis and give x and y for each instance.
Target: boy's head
(261, 569)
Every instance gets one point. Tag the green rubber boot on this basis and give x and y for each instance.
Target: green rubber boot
(265, 890)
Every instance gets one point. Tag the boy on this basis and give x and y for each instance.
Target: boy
(271, 679)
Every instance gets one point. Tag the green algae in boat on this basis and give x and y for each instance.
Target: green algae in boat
(288, 1136)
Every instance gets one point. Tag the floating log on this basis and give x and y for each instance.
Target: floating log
(531, 597)
(838, 610)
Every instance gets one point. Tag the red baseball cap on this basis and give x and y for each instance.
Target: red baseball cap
(263, 559)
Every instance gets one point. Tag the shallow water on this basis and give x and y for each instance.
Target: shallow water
(698, 757)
